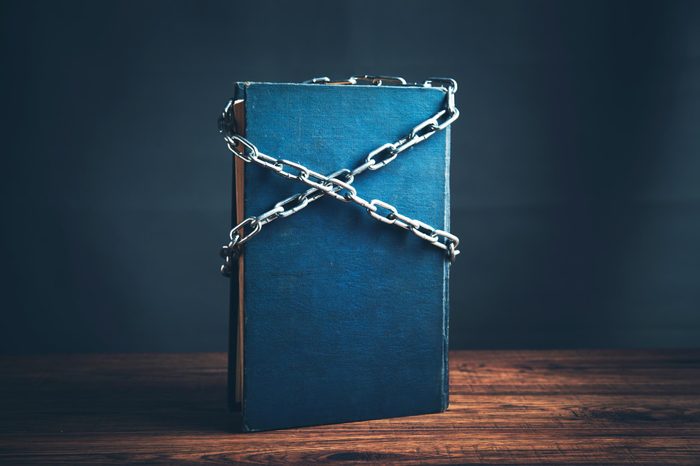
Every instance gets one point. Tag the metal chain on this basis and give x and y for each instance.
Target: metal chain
(332, 184)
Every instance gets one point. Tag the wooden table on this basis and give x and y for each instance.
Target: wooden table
(506, 407)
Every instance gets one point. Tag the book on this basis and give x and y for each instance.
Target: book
(336, 317)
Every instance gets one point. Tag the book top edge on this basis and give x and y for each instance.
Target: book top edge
(246, 84)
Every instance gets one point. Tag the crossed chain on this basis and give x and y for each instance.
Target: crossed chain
(338, 184)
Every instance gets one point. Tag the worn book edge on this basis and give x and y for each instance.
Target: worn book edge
(236, 308)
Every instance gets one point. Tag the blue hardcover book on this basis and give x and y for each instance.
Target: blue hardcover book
(336, 316)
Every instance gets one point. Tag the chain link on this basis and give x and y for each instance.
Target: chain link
(338, 184)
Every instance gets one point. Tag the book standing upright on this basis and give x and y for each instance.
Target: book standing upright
(337, 315)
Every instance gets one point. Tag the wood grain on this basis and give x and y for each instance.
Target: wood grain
(519, 407)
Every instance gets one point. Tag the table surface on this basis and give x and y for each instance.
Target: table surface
(520, 407)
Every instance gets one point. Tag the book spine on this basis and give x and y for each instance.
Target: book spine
(446, 281)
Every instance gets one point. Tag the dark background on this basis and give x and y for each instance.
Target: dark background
(576, 162)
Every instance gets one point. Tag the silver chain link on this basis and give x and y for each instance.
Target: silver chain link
(338, 184)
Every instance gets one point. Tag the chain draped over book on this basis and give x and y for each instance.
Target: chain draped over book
(338, 185)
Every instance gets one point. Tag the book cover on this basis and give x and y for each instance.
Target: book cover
(337, 317)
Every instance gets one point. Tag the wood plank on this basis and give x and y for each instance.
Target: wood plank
(520, 407)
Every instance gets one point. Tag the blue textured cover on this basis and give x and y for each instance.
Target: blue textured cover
(346, 318)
